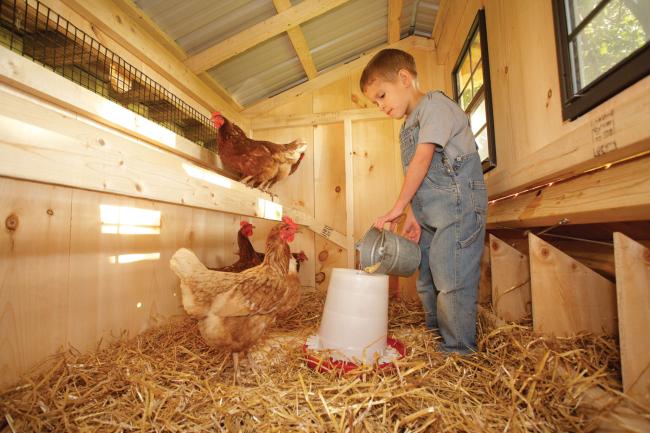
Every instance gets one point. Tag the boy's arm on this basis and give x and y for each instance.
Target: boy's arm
(414, 175)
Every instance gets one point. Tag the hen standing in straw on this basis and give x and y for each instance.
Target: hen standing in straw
(235, 309)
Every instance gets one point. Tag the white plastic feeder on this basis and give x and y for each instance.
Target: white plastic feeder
(354, 325)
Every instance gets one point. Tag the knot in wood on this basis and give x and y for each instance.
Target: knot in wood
(12, 222)
(544, 252)
(50, 212)
(337, 189)
(323, 255)
(320, 277)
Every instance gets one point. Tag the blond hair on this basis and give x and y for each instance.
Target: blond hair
(385, 65)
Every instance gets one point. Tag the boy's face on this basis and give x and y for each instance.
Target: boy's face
(392, 97)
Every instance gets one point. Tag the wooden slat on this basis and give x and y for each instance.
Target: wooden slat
(33, 273)
(412, 42)
(623, 131)
(106, 16)
(32, 78)
(349, 191)
(299, 42)
(258, 33)
(619, 193)
(330, 181)
(268, 122)
(394, 14)
(511, 297)
(43, 143)
(567, 296)
(633, 294)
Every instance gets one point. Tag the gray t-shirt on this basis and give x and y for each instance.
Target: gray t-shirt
(442, 122)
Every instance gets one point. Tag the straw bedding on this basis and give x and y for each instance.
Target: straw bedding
(167, 379)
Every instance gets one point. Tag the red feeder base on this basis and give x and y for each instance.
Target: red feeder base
(329, 364)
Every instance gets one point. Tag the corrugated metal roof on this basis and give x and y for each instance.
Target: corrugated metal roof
(262, 71)
(347, 31)
(335, 37)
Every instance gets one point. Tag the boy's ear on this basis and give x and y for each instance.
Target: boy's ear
(404, 77)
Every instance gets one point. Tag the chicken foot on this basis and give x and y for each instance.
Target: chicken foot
(251, 362)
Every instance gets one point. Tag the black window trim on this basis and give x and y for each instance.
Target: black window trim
(479, 23)
(627, 72)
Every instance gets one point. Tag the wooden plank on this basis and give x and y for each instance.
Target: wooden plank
(567, 296)
(374, 169)
(349, 192)
(336, 73)
(322, 118)
(34, 274)
(394, 14)
(619, 193)
(107, 17)
(511, 298)
(327, 257)
(622, 131)
(633, 295)
(258, 33)
(330, 181)
(108, 161)
(21, 73)
(299, 42)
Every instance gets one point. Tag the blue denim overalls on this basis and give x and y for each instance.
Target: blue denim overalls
(450, 206)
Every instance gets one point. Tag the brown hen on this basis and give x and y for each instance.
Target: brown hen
(235, 309)
(248, 257)
(260, 163)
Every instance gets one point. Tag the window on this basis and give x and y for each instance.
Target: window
(471, 80)
(602, 48)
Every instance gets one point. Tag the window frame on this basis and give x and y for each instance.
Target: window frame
(622, 75)
(479, 25)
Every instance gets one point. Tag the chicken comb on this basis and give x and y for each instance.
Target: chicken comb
(244, 223)
(288, 221)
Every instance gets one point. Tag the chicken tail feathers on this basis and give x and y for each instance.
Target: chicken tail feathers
(185, 264)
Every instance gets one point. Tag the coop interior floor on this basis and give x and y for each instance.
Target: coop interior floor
(168, 379)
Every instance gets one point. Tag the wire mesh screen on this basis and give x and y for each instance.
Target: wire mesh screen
(35, 31)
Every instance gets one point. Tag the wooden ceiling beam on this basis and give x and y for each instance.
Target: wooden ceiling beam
(259, 33)
(336, 73)
(299, 42)
(394, 14)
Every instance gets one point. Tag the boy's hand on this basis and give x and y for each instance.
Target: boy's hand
(390, 217)
(411, 229)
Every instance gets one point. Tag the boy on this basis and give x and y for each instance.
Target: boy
(443, 182)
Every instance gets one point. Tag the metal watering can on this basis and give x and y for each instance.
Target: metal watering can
(384, 252)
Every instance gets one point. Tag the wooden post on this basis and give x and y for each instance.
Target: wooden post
(349, 191)
(567, 296)
(633, 294)
(510, 281)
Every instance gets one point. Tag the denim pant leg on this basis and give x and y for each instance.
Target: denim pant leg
(456, 279)
(424, 284)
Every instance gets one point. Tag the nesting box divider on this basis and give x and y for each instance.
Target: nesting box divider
(567, 296)
(511, 297)
(633, 295)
